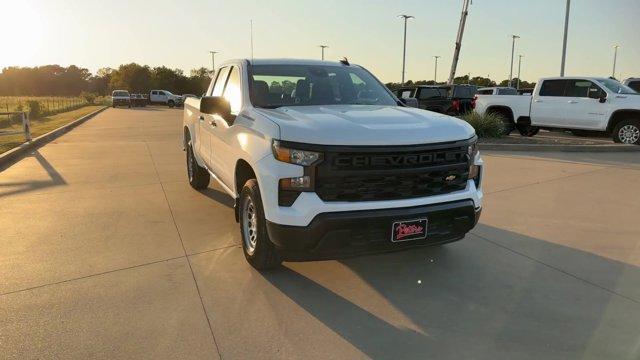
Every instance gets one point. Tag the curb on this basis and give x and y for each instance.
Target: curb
(8, 158)
(560, 148)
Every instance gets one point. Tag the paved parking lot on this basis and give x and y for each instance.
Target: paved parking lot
(108, 253)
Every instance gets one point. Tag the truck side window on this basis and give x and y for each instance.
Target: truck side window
(220, 82)
(577, 88)
(405, 94)
(154, 93)
(232, 90)
(553, 88)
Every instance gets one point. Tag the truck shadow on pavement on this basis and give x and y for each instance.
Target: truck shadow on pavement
(13, 188)
(502, 295)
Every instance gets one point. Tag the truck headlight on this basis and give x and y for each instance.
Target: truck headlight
(472, 150)
(294, 156)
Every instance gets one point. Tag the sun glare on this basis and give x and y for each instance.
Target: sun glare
(24, 30)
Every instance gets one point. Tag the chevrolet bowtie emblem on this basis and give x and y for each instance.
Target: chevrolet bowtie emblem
(450, 178)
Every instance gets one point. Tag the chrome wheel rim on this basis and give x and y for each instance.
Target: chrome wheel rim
(629, 134)
(249, 225)
(190, 163)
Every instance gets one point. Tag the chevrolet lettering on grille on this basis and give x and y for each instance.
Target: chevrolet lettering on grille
(397, 160)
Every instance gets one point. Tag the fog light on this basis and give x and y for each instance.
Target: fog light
(296, 183)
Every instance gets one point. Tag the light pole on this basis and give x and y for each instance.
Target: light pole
(435, 73)
(404, 48)
(519, 64)
(615, 58)
(323, 47)
(213, 60)
(564, 40)
(513, 47)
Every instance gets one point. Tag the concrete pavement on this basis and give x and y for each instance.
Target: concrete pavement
(108, 253)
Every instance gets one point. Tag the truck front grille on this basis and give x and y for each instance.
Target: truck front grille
(376, 173)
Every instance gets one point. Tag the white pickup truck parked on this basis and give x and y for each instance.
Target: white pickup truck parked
(576, 103)
(323, 160)
(165, 97)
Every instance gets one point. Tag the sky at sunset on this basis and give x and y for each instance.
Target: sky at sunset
(179, 34)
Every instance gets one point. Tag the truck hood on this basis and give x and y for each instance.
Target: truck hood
(365, 125)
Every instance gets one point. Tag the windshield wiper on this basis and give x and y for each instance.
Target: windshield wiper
(270, 106)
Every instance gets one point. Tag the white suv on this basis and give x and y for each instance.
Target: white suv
(324, 161)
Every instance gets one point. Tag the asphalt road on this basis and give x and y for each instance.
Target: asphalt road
(106, 252)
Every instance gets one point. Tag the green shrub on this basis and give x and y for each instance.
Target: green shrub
(487, 125)
(90, 98)
(35, 110)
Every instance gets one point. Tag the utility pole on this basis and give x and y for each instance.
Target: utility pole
(513, 47)
(615, 59)
(435, 73)
(519, 64)
(213, 60)
(564, 41)
(323, 47)
(456, 51)
(251, 36)
(404, 48)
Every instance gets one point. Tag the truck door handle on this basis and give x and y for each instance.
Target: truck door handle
(537, 100)
(201, 118)
(213, 123)
(572, 102)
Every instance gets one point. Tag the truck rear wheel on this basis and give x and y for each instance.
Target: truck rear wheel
(256, 245)
(627, 132)
(198, 176)
(507, 124)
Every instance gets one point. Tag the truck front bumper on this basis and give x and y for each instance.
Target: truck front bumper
(350, 233)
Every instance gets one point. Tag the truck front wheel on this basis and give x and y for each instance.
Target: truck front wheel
(171, 104)
(527, 130)
(256, 245)
(627, 132)
(198, 176)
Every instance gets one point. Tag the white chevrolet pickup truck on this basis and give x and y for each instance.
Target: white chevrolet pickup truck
(575, 103)
(323, 161)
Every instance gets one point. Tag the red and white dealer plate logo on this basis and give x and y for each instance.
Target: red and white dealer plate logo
(409, 230)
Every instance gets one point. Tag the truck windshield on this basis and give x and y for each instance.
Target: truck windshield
(297, 85)
(617, 87)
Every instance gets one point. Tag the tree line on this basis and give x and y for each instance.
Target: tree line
(478, 81)
(56, 80)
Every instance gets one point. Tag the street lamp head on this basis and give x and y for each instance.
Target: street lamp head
(406, 17)
(515, 36)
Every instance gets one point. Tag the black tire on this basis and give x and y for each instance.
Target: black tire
(259, 251)
(507, 124)
(198, 176)
(527, 130)
(171, 103)
(627, 132)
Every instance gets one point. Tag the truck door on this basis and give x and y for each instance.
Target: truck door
(207, 123)
(223, 135)
(583, 112)
(549, 107)
(153, 97)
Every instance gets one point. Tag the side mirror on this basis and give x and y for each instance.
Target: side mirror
(215, 105)
(410, 102)
(598, 94)
(603, 98)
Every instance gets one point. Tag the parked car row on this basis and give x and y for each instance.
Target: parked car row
(124, 98)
